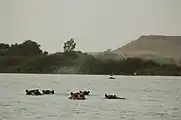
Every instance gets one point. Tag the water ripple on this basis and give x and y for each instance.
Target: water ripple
(148, 98)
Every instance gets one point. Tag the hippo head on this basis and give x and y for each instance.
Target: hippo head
(27, 91)
(71, 93)
(53, 92)
(82, 95)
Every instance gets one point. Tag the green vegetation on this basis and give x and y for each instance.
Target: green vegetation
(29, 58)
(129, 66)
(69, 46)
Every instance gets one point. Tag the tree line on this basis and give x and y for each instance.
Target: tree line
(28, 57)
(129, 66)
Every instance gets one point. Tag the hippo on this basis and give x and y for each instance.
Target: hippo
(28, 92)
(86, 92)
(112, 97)
(73, 96)
(77, 96)
(37, 92)
(81, 97)
(48, 91)
(71, 93)
(33, 92)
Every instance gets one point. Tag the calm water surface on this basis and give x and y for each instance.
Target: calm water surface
(148, 98)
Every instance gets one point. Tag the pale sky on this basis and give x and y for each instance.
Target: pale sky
(96, 25)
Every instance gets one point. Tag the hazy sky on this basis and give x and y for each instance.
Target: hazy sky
(96, 25)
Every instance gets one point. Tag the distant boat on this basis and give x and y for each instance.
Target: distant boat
(112, 77)
(135, 73)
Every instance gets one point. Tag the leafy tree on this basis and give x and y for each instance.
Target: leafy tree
(30, 48)
(3, 49)
(27, 48)
(69, 46)
(45, 53)
(3, 46)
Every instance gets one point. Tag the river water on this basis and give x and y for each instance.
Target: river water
(148, 98)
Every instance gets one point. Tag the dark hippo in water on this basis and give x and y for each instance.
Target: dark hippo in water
(112, 97)
(48, 92)
(33, 92)
(28, 92)
(86, 92)
(77, 96)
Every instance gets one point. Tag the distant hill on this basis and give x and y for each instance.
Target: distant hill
(163, 49)
(106, 55)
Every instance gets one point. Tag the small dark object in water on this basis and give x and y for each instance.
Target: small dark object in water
(77, 96)
(112, 97)
(86, 92)
(28, 92)
(112, 77)
(33, 92)
(37, 92)
(48, 91)
(80, 92)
